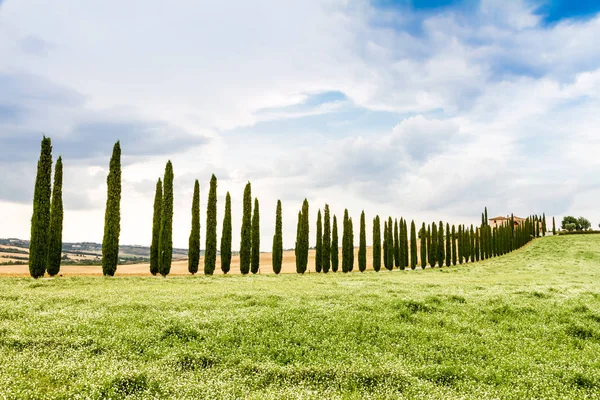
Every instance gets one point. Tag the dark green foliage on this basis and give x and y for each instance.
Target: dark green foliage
(246, 233)
(112, 217)
(362, 248)
(433, 248)
(428, 243)
(319, 245)
(302, 239)
(423, 238)
(326, 251)
(390, 247)
(194, 242)
(226, 237)
(477, 243)
(165, 242)
(56, 222)
(396, 244)
(210, 252)
(405, 244)
(413, 245)
(376, 244)
(460, 244)
(351, 243)
(156, 228)
(400, 244)
(385, 245)
(454, 255)
(255, 265)
(440, 249)
(335, 257)
(346, 245)
(472, 245)
(553, 226)
(544, 228)
(448, 246)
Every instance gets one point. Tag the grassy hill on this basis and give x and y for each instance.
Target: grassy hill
(526, 325)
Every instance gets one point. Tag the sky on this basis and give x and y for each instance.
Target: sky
(428, 110)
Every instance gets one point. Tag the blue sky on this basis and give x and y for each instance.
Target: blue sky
(430, 110)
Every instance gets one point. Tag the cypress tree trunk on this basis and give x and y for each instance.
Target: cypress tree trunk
(112, 218)
(423, 237)
(335, 258)
(154, 255)
(56, 222)
(448, 247)
(376, 244)
(396, 244)
(194, 242)
(210, 252)
(165, 242)
(278, 240)
(362, 248)
(454, 245)
(226, 237)
(441, 255)
(413, 245)
(319, 245)
(326, 251)
(345, 243)
(255, 238)
(246, 239)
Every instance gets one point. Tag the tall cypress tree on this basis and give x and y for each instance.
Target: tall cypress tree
(226, 237)
(477, 243)
(278, 240)
(433, 254)
(165, 241)
(255, 265)
(112, 218)
(56, 222)
(396, 244)
(423, 237)
(362, 249)
(472, 247)
(441, 255)
(335, 254)
(428, 244)
(405, 243)
(448, 246)
(326, 251)
(413, 245)
(544, 224)
(305, 232)
(390, 247)
(246, 233)
(194, 242)
(454, 245)
(154, 254)
(346, 243)
(376, 244)
(553, 226)
(210, 253)
(460, 244)
(319, 245)
(40, 221)
(351, 245)
(385, 245)
(400, 246)
(298, 247)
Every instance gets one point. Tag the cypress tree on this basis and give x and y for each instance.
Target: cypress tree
(385, 245)
(376, 244)
(472, 246)
(400, 244)
(345, 243)
(396, 244)
(433, 249)
(210, 253)
(246, 233)
(40, 220)
(428, 243)
(112, 218)
(319, 245)
(486, 217)
(454, 245)
(553, 226)
(467, 243)
(278, 240)
(226, 237)
(351, 245)
(544, 224)
(165, 241)
(441, 252)
(56, 222)
(154, 255)
(448, 247)
(477, 243)
(390, 247)
(413, 245)
(423, 237)
(326, 251)
(194, 242)
(405, 243)
(335, 254)
(255, 265)
(305, 231)
(362, 249)
(297, 248)
(460, 244)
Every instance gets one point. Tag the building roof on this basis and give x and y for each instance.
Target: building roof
(501, 218)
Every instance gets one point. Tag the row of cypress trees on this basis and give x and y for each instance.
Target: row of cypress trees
(45, 246)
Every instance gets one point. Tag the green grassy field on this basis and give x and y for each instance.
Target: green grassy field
(526, 325)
